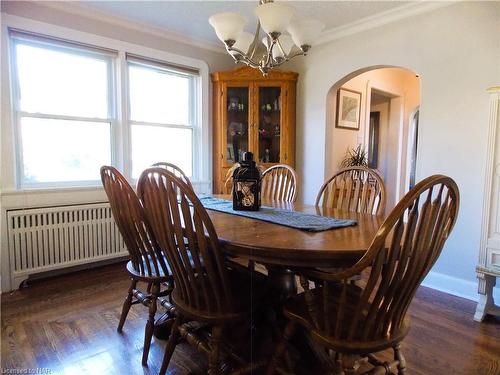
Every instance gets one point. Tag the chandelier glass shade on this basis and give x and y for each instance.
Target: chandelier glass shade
(285, 37)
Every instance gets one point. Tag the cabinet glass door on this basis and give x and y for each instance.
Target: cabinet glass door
(269, 124)
(237, 118)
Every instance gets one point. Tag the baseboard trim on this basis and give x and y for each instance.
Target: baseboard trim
(455, 286)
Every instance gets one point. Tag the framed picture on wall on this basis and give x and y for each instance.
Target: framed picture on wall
(348, 109)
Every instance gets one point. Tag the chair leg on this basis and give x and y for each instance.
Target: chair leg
(281, 348)
(338, 364)
(398, 355)
(213, 358)
(251, 265)
(150, 325)
(126, 305)
(350, 364)
(172, 342)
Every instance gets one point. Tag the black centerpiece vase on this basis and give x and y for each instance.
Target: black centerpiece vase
(246, 185)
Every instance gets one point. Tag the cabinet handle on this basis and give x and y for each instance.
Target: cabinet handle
(222, 156)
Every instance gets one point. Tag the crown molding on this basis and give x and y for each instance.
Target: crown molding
(363, 24)
(82, 10)
(380, 19)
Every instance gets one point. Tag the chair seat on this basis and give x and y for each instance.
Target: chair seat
(145, 276)
(249, 290)
(322, 329)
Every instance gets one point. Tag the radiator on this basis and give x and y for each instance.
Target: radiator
(50, 238)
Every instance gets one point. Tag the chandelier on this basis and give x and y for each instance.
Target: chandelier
(284, 38)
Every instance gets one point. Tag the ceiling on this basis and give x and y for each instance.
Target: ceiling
(190, 18)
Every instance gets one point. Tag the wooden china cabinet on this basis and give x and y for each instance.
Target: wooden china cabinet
(252, 113)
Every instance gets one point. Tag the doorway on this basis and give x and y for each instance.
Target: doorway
(385, 131)
(383, 137)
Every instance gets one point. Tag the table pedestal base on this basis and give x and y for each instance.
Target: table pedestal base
(284, 281)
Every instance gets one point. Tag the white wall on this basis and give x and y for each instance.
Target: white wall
(456, 51)
(341, 139)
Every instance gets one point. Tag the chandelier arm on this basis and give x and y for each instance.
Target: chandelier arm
(250, 62)
(269, 56)
(242, 57)
(281, 47)
(253, 46)
(298, 53)
(276, 64)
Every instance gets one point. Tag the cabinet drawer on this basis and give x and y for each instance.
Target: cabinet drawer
(493, 259)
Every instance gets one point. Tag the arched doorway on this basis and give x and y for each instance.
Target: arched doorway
(371, 110)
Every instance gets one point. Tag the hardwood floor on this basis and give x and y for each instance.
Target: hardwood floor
(67, 325)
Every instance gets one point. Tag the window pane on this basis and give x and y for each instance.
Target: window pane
(62, 83)
(151, 144)
(158, 96)
(64, 150)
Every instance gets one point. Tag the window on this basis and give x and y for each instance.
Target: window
(162, 114)
(63, 110)
(78, 106)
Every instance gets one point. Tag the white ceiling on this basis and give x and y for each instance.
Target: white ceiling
(190, 18)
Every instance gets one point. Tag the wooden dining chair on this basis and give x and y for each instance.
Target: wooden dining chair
(147, 262)
(279, 183)
(177, 171)
(357, 189)
(205, 290)
(358, 321)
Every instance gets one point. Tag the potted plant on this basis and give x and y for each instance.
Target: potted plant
(355, 157)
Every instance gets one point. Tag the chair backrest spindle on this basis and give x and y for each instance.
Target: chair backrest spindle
(183, 227)
(177, 171)
(357, 189)
(145, 253)
(279, 183)
(402, 253)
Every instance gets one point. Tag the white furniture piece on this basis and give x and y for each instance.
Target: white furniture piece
(488, 268)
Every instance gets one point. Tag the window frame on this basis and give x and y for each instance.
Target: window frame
(18, 113)
(193, 125)
(202, 147)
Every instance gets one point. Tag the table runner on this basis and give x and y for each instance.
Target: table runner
(293, 219)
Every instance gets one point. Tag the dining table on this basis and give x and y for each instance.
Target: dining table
(282, 249)
(277, 244)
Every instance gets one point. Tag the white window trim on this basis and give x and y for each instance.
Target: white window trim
(120, 131)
